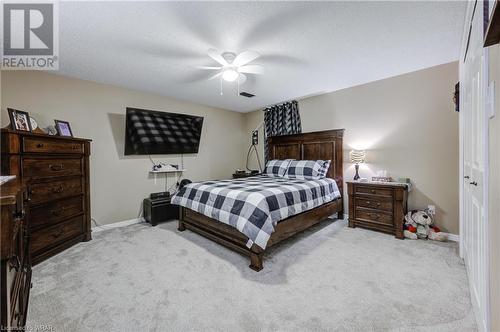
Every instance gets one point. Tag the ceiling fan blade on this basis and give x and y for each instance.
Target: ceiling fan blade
(245, 57)
(252, 69)
(216, 55)
(208, 68)
(214, 76)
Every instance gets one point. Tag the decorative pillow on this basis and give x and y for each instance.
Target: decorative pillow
(276, 168)
(308, 169)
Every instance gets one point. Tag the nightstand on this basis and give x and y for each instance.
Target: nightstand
(379, 206)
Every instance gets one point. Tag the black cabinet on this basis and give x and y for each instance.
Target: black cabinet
(159, 210)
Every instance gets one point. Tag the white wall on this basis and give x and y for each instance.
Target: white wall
(408, 126)
(97, 111)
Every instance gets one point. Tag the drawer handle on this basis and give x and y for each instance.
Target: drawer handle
(57, 167)
(39, 145)
(374, 216)
(58, 190)
(75, 147)
(55, 236)
(56, 213)
(373, 191)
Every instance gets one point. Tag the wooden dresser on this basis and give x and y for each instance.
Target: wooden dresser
(55, 172)
(15, 270)
(378, 206)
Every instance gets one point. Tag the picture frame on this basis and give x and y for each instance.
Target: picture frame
(63, 128)
(19, 120)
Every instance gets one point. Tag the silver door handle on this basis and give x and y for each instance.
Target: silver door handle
(473, 183)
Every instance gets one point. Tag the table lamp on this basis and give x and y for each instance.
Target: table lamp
(357, 157)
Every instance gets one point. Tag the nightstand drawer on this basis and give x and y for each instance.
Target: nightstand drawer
(372, 202)
(370, 190)
(374, 216)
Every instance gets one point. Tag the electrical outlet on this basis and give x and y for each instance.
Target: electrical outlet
(255, 137)
(432, 209)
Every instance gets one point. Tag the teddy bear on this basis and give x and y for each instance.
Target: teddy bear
(419, 224)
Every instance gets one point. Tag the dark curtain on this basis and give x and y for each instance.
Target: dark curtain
(283, 119)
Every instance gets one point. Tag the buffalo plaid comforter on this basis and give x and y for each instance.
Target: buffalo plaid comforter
(256, 204)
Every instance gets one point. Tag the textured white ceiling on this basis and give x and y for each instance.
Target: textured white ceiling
(307, 48)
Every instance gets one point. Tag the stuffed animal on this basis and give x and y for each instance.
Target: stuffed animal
(421, 217)
(420, 225)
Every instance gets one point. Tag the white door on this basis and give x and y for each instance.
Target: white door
(474, 152)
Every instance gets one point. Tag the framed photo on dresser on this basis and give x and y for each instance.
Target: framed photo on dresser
(63, 128)
(19, 120)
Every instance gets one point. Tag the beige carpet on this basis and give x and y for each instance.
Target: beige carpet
(330, 278)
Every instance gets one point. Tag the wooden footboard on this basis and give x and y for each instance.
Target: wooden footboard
(233, 239)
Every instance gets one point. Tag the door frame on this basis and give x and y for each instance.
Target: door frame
(485, 68)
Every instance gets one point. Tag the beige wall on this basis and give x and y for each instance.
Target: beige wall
(494, 192)
(97, 111)
(408, 126)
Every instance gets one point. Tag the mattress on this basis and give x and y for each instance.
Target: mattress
(255, 205)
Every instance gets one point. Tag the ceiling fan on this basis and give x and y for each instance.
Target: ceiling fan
(233, 67)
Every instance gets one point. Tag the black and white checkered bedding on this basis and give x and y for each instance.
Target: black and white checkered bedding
(256, 204)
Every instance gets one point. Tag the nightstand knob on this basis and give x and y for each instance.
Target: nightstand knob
(368, 202)
(373, 191)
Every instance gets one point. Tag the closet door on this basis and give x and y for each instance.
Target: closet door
(474, 151)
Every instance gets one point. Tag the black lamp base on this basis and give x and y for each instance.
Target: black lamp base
(356, 176)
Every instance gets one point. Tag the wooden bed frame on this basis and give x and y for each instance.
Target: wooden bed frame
(321, 145)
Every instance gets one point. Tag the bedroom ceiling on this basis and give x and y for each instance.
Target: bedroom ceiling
(306, 48)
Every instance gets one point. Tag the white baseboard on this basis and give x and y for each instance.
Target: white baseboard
(452, 237)
(118, 224)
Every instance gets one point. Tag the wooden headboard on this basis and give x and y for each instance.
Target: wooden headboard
(319, 145)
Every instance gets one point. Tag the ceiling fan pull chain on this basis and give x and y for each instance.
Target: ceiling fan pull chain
(221, 87)
(238, 85)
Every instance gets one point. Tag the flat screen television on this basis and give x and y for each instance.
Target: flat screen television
(155, 132)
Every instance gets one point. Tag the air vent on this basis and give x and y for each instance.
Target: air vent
(246, 94)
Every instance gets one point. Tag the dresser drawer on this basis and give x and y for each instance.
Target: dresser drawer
(49, 191)
(53, 235)
(374, 202)
(47, 145)
(373, 191)
(48, 214)
(374, 216)
(40, 168)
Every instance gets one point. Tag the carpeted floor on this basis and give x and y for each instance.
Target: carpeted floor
(330, 278)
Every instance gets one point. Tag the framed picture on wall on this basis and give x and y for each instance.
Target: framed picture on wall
(63, 128)
(19, 120)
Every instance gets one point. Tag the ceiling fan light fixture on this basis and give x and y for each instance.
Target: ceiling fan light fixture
(230, 75)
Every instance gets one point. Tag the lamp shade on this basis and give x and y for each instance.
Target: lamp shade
(357, 156)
